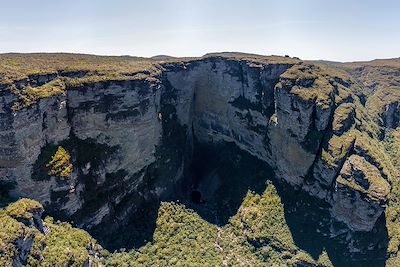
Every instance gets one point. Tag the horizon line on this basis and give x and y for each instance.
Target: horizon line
(191, 56)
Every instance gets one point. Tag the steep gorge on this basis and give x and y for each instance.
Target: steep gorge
(132, 141)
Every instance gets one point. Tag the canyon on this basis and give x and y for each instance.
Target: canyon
(131, 139)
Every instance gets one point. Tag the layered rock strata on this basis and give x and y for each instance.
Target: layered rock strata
(130, 141)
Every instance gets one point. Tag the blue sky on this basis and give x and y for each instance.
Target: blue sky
(341, 30)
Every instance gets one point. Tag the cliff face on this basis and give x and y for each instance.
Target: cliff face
(113, 131)
(130, 141)
(299, 118)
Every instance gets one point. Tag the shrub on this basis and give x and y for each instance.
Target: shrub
(60, 164)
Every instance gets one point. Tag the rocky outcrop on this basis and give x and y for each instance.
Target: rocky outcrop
(131, 140)
(20, 217)
(27, 240)
(359, 193)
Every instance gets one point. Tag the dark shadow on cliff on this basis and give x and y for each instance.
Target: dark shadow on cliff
(136, 232)
(215, 185)
(311, 226)
(221, 175)
(5, 197)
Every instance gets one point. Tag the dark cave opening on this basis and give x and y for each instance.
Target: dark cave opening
(219, 177)
(195, 197)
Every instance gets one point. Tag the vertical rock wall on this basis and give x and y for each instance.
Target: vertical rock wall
(131, 141)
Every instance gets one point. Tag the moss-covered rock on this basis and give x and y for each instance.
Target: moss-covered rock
(25, 240)
(343, 118)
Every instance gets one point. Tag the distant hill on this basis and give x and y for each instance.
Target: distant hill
(162, 57)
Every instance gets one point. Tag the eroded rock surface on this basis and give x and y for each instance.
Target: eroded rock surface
(360, 190)
(131, 140)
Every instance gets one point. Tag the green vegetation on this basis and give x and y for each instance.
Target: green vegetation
(51, 74)
(381, 86)
(65, 244)
(357, 130)
(16, 67)
(315, 83)
(392, 147)
(260, 224)
(60, 160)
(371, 183)
(374, 151)
(377, 102)
(343, 117)
(383, 155)
(363, 138)
(380, 81)
(60, 164)
(10, 231)
(337, 147)
(23, 208)
(60, 245)
(257, 235)
(181, 238)
(30, 95)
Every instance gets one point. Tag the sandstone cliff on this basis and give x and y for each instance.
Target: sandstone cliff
(129, 134)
